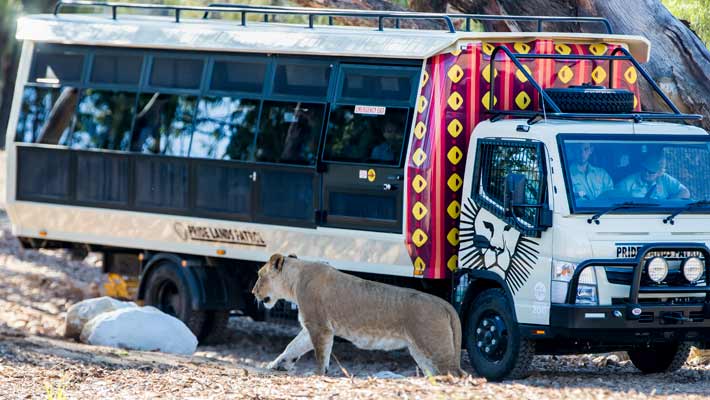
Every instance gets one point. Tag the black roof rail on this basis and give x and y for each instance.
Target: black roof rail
(558, 113)
(244, 11)
(539, 19)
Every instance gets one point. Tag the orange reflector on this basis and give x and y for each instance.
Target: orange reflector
(141, 256)
(539, 332)
(43, 233)
(221, 252)
(183, 263)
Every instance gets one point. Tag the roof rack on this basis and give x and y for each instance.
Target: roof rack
(396, 16)
(558, 113)
(244, 11)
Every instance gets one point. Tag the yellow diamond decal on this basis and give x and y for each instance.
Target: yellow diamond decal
(522, 100)
(454, 182)
(421, 104)
(453, 263)
(488, 48)
(598, 75)
(453, 236)
(455, 101)
(418, 184)
(425, 78)
(454, 128)
(486, 100)
(419, 237)
(487, 73)
(454, 155)
(420, 130)
(522, 48)
(419, 266)
(565, 75)
(419, 157)
(597, 49)
(454, 209)
(455, 73)
(419, 211)
(456, 52)
(521, 76)
(562, 48)
(636, 102)
(630, 75)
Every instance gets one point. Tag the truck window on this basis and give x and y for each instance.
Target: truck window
(225, 128)
(114, 69)
(103, 120)
(289, 132)
(499, 160)
(46, 115)
(180, 73)
(52, 66)
(363, 84)
(363, 137)
(238, 76)
(163, 124)
(297, 78)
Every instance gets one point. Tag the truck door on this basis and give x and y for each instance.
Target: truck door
(364, 146)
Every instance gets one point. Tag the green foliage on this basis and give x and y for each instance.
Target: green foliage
(697, 12)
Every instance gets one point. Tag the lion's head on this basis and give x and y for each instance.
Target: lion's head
(270, 286)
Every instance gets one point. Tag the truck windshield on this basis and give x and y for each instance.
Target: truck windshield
(602, 171)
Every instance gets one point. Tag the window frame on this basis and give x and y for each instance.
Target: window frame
(332, 64)
(492, 204)
(562, 137)
(345, 68)
(267, 60)
(59, 49)
(115, 52)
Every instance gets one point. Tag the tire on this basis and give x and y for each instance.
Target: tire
(666, 357)
(214, 330)
(592, 99)
(166, 291)
(490, 317)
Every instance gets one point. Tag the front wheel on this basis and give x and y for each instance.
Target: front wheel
(665, 357)
(495, 347)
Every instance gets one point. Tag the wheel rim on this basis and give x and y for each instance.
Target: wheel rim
(491, 337)
(168, 299)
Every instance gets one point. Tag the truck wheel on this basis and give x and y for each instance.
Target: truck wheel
(166, 291)
(495, 348)
(666, 357)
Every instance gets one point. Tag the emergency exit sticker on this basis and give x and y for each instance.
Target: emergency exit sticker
(370, 110)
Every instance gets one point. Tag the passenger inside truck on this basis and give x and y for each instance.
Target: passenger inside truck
(589, 181)
(652, 181)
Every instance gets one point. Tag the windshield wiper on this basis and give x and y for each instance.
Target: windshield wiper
(619, 206)
(689, 206)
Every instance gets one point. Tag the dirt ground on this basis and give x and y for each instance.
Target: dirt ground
(37, 287)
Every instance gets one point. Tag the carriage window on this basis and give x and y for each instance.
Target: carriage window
(116, 69)
(371, 135)
(54, 67)
(176, 73)
(163, 124)
(238, 76)
(381, 84)
(224, 128)
(46, 115)
(289, 132)
(309, 80)
(103, 120)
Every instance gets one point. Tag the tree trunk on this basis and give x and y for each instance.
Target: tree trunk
(679, 62)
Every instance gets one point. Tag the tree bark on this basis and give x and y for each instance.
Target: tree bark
(679, 62)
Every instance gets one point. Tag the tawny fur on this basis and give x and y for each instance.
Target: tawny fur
(371, 315)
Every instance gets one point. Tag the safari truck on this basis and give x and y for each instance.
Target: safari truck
(514, 174)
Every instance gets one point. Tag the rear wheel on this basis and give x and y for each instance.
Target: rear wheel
(665, 357)
(495, 347)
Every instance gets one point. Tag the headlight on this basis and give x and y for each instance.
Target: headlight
(657, 268)
(693, 268)
(562, 273)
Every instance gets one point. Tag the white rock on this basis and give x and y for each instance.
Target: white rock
(388, 375)
(84, 311)
(144, 328)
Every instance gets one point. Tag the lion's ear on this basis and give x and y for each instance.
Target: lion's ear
(292, 256)
(277, 261)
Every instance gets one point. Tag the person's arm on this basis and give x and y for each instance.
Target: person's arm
(676, 190)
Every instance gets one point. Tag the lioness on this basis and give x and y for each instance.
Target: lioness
(369, 314)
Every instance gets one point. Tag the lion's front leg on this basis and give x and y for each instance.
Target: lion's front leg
(299, 346)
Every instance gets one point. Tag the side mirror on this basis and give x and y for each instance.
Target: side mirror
(513, 192)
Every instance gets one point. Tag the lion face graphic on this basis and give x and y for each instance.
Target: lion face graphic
(489, 243)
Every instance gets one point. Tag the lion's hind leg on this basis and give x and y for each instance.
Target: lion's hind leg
(299, 346)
